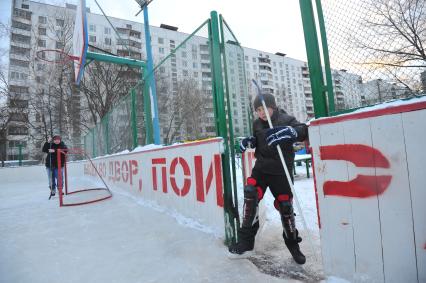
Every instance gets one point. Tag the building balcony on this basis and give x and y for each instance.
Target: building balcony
(22, 15)
(133, 49)
(264, 61)
(23, 58)
(21, 31)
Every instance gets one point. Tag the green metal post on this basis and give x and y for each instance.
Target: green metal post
(314, 59)
(147, 111)
(134, 125)
(230, 119)
(20, 154)
(326, 57)
(106, 129)
(114, 59)
(218, 92)
(93, 143)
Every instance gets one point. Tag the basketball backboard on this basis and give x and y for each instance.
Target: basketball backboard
(80, 40)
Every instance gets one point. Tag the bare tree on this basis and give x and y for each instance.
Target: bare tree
(103, 85)
(183, 111)
(397, 39)
(4, 115)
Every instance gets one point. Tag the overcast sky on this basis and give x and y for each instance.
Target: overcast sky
(267, 25)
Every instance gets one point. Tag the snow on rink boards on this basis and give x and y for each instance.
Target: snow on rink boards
(369, 237)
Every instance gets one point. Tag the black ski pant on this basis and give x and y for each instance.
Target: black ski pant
(278, 184)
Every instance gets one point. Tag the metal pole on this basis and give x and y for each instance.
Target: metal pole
(218, 90)
(134, 125)
(20, 154)
(114, 59)
(314, 59)
(151, 79)
(325, 54)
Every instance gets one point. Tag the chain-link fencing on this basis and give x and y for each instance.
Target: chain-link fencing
(376, 50)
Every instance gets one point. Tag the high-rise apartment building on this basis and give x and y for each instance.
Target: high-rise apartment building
(37, 26)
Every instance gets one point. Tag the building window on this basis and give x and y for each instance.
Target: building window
(25, 6)
(107, 41)
(20, 50)
(21, 38)
(18, 131)
(160, 40)
(42, 20)
(185, 73)
(59, 34)
(18, 103)
(17, 143)
(161, 50)
(18, 117)
(92, 38)
(20, 25)
(254, 60)
(42, 31)
(183, 54)
(129, 26)
(60, 22)
(19, 63)
(59, 45)
(41, 43)
(92, 28)
(107, 30)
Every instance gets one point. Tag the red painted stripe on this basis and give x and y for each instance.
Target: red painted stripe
(360, 187)
(372, 113)
(315, 187)
(358, 154)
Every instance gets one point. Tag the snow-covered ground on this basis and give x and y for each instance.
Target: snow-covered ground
(128, 240)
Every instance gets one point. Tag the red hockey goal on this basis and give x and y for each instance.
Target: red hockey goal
(72, 181)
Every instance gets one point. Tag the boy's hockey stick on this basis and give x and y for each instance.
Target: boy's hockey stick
(280, 153)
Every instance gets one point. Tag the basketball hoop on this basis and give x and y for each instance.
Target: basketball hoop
(55, 56)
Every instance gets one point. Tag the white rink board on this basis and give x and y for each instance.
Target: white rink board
(185, 178)
(371, 182)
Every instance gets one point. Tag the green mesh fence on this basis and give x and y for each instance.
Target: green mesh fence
(119, 125)
(184, 89)
(236, 83)
(376, 50)
(122, 128)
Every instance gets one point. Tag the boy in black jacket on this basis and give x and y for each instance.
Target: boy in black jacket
(269, 172)
(51, 148)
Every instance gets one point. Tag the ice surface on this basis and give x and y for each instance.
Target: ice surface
(124, 239)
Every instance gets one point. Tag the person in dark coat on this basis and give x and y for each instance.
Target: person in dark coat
(269, 172)
(51, 148)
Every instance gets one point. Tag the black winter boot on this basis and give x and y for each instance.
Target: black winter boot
(241, 249)
(293, 247)
(290, 233)
(250, 223)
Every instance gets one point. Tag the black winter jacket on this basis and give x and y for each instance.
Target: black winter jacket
(52, 158)
(267, 158)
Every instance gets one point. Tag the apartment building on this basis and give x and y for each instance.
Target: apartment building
(38, 26)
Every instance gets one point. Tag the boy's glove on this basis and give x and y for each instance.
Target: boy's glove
(279, 135)
(249, 141)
